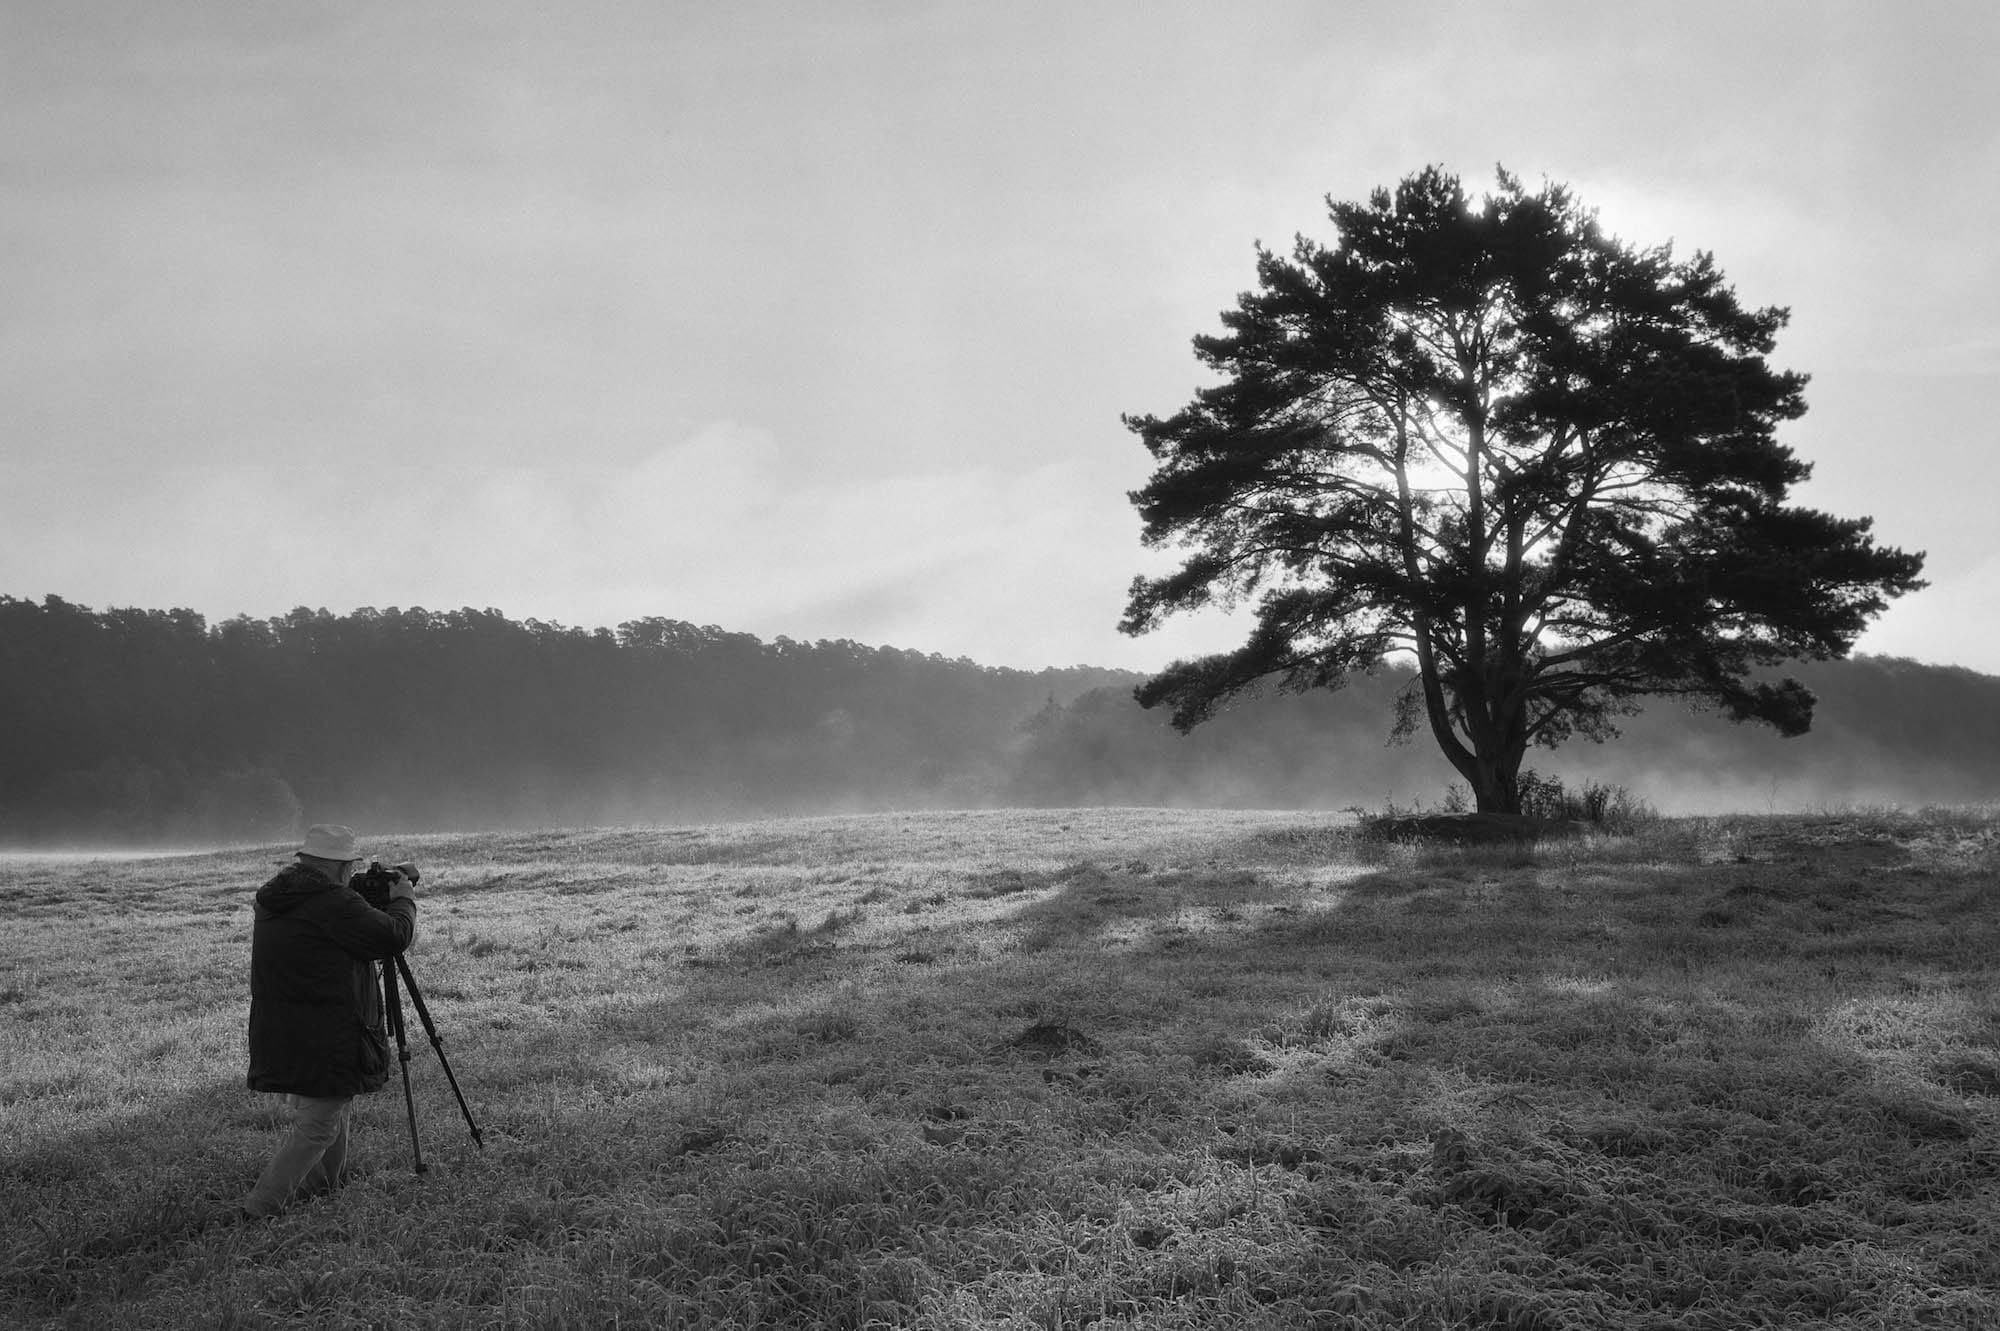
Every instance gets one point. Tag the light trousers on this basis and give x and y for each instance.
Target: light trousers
(311, 1159)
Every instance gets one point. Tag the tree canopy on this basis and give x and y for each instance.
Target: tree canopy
(1539, 462)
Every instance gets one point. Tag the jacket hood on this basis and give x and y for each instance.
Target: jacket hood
(293, 885)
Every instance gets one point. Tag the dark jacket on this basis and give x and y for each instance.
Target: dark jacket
(316, 1023)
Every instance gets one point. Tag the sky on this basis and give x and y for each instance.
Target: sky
(818, 319)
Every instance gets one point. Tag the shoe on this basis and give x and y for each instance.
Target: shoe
(224, 1217)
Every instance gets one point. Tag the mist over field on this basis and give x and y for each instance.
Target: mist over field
(155, 728)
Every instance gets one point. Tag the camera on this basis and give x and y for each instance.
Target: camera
(374, 882)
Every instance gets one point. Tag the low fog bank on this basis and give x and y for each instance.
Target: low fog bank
(1886, 732)
(153, 729)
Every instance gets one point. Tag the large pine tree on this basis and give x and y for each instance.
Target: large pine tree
(1539, 461)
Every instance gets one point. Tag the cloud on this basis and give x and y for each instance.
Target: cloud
(1024, 568)
(1947, 623)
(481, 293)
(1976, 356)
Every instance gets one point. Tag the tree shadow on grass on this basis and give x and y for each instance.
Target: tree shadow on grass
(1423, 924)
(1796, 1006)
(1724, 1047)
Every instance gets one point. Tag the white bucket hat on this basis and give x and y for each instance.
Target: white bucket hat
(330, 841)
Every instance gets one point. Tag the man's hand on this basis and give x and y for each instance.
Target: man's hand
(406, 881)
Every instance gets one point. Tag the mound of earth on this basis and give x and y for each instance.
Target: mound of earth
(1050, 1038)
(1472, 829)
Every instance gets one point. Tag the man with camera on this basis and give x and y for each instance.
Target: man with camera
(316, 1020)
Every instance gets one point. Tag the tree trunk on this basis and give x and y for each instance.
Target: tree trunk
(1491, 764)
(1495, 782)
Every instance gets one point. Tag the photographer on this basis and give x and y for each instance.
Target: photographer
(316, 1023)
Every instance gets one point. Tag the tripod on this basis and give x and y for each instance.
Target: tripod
(392, 967)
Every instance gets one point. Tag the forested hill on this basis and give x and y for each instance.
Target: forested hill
(155, 727)
(150, 725)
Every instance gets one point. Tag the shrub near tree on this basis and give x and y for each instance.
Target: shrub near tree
(1541, 463)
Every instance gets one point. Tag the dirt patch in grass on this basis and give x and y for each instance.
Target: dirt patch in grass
(1051, 1039)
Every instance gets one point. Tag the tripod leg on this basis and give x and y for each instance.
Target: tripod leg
(437, 1044)
(392, 1006)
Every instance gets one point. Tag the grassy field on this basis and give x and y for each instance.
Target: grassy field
(1052, 1069)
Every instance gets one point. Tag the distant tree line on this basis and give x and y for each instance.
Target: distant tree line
(154, 726)
(148, 725)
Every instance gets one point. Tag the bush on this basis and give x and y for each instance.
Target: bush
(1597, 803)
